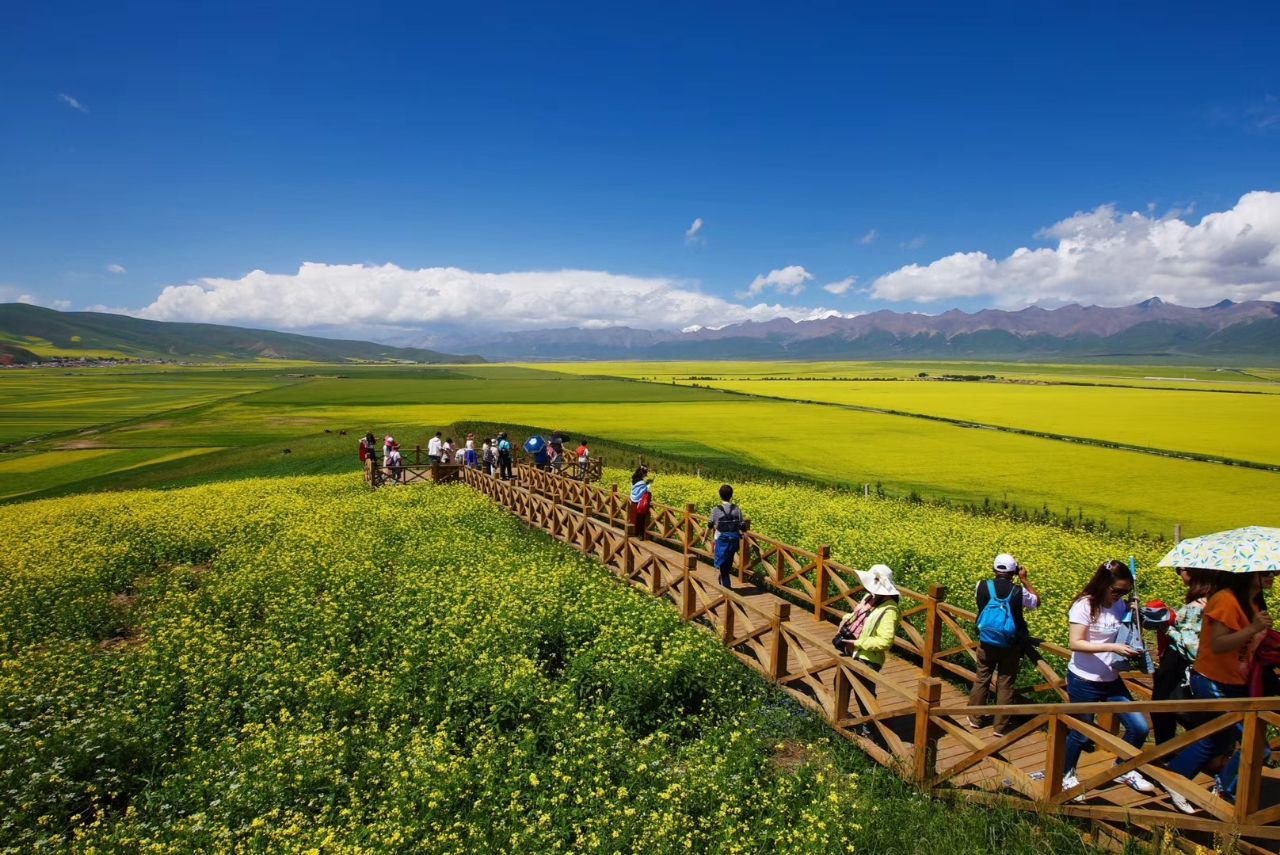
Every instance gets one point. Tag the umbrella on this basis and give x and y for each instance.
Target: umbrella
(534, 444)
(1252, 549)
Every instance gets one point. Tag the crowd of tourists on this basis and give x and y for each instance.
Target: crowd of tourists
(495, 455)
(1218, 644)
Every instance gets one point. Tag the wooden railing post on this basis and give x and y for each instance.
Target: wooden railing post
(688, 528)
(417, 455)
(744, 551)
(841, 693)
(688, 597)
(1055, 757)
(435, 470)
(1249, 784)
(655, 575)
(778, 642)
(821, 583)
(932, 628)
(613, 505)
(587, 542)
(928, 696)
(628, 553)
(730, 618)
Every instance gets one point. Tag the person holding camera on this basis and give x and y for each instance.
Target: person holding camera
(1097, 618)
(1002, 635)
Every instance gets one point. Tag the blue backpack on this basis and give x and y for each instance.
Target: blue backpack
(995, 623)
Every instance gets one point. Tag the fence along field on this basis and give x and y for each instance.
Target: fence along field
(301, 663)
(921, 733)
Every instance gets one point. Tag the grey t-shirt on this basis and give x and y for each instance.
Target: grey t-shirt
(722, 510)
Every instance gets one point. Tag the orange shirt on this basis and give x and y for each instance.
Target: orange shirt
(1231, 667)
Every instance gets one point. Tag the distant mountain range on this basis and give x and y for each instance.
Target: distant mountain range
(1150, 330)
(31, 334)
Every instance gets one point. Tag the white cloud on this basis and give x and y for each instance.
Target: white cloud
(840, 287)
(72, 102)
(869, 238)
(116, 268)
(693, 234)
(16, 294)
(915, 243)
(785, 280)
(1109, 258)
(446, 302)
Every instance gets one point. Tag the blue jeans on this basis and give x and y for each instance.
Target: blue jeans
(1191, 760)
(1081, 691)
(726, 551)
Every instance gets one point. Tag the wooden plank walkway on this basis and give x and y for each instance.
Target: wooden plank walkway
(779, 619)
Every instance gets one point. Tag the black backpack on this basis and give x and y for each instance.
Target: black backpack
(730, 522)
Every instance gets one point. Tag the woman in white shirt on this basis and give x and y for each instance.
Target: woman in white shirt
(1096, 618)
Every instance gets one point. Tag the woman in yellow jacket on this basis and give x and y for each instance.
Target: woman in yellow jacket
(881, 625)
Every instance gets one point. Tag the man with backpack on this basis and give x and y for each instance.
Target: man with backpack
(504, 456)
(727, 524)
(1002, 634)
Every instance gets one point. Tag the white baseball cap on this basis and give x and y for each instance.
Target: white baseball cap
(878, 579)
(1005, 563)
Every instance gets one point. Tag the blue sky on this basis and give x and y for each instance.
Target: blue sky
(204, 142)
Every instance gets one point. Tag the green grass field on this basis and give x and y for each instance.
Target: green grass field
(244, 418)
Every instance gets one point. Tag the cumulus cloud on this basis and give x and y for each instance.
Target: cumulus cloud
(116, 268)
(450, 303)
(785, 280)
(1111, 258)
(693, 234)
(840, 287)
(869, 238)
(72, 102)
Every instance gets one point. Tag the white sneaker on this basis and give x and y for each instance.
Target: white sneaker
(1070, 781)
(1136, 781)
(1181, 803)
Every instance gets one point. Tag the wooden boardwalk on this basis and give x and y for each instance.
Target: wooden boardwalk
(779, 617)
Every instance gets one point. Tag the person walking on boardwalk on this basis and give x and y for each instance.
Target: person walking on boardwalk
(1096, 618)
(641, 499)
(584, 457)
(434, 448)
(394, 470)
(504, 456)
(1233, 627)
(1002, 635)
(1182, 647)
(727, 526)
(881, 625)
(487, 456)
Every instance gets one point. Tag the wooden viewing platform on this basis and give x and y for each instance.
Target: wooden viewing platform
(779, 620)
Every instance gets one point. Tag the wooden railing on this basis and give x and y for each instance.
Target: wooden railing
(899, 721)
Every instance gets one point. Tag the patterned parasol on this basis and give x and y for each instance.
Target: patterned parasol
(1252, 549)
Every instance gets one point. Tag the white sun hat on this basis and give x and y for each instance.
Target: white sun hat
(878, 579)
